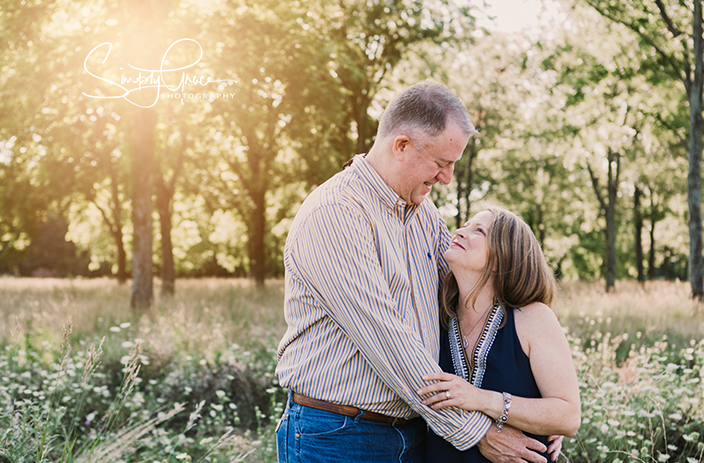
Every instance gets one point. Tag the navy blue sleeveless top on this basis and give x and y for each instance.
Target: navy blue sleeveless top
(499, 364)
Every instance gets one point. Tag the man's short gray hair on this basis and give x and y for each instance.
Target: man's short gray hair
(426, 106)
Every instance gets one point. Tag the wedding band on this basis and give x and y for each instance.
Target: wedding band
(448, 395)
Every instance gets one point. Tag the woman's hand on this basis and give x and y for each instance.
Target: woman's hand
(453, 391)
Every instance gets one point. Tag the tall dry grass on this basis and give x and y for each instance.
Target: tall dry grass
(209, 347)
(639, 351)
(643, 311)
(655, 300)
(205, 316)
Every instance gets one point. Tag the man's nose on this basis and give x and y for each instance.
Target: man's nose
(445, 174)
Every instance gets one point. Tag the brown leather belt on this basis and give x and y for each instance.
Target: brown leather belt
(348, 410)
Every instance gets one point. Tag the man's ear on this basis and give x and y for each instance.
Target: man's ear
(400, 147)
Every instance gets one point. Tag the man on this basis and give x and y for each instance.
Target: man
(363, 261)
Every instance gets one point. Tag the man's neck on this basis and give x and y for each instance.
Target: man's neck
(382, 163)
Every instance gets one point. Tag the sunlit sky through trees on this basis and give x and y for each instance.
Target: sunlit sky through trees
(237, 109)
(517, 15)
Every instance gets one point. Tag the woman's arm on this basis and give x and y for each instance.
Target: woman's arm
(557, 412)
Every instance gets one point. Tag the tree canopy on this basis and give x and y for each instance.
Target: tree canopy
(201, 126)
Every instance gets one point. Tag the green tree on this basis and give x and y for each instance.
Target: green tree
(616, 115)
(672, 45)
(282, 77)
(94, 140)
(369, 39)
(295, 128)
(520, 157)
(29, 189)
(492, 96)
(69, 120)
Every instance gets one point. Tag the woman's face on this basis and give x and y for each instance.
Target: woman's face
(468, 250)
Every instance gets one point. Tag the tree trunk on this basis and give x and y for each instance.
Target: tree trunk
(117, 233)
(540, 227)
(165, 190)
(465, 190)
(612, 188)
(257, 238)
(363, 128)
(462, 191)
(145, 33)
(258, 158)
(638, 233)
(608, 207)
(694, 178)
(163, 205)
(113, 219)
(142, 177)
(256, 182)
(121, 259)
(651, 253)
(667, 274)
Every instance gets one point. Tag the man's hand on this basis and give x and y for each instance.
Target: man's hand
(510, 446)
(555, 446)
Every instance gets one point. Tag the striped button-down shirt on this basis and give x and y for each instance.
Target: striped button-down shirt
(361, 303)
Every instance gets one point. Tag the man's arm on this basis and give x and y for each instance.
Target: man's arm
(334, 252)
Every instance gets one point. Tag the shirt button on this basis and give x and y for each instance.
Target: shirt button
(297, 435)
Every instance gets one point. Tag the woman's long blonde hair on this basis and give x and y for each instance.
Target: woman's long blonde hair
(521, 273)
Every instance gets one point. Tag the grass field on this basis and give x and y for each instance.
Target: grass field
(84, 380)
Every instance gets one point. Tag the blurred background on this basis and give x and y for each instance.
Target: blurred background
(179, 138)
(154, 152)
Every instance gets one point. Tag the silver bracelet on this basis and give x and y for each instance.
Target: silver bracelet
(504, 413)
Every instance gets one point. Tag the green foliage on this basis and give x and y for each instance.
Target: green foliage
(309, 80)
(49, 254)
(585, 258)
(641, 389)
(641, 404)
(639, 354)
(578, 72)
(60, 406)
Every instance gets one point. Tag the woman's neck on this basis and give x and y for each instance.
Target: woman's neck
(467, 311)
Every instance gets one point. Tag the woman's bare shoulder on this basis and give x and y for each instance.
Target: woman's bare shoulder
(536, 323)
(536, 312)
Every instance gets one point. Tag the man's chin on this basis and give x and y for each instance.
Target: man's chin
(420, 197)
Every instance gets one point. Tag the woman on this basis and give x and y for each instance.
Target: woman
(502, 348)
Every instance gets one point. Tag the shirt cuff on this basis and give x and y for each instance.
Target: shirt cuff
(471, 433)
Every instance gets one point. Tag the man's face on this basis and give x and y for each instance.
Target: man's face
(435, 162)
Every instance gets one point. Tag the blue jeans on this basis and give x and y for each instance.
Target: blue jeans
(308, 435)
